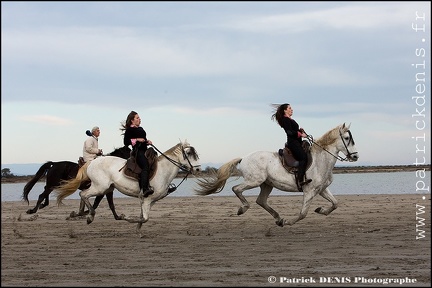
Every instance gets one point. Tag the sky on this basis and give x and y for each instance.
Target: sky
(208, 72)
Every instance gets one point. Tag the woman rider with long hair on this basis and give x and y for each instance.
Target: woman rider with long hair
(136, 136)
(283, 116)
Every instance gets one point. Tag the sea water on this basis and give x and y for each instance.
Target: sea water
(343, 184)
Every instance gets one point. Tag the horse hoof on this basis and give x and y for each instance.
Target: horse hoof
(318, 210)
(89, 220)
(30, 211)
(280, 222)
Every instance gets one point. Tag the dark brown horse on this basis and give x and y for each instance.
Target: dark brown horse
(56, 172)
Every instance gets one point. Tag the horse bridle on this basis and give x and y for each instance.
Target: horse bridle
(348, 155)
(178, 164)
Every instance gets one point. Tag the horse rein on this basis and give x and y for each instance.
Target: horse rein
(348, 156)
(178, 164)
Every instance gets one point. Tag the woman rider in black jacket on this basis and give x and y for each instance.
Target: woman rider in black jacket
(136, 136)
(294, 134)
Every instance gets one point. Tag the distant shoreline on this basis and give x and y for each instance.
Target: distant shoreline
(375, 169)
(336, 170)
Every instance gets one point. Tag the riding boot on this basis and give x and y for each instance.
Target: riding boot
(301, 175)
(144, 183)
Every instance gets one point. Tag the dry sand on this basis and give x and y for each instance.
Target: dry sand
(200, 241)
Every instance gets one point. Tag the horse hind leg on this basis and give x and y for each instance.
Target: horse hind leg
(85, 199)
(43, 201)
(238, 191)
(262, 201)
(81, 211)
(110, 200)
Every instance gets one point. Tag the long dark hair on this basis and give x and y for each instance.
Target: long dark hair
(279, 113)
(128, 121)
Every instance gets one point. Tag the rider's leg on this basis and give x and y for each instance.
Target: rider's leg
(144, 176)
(301, 156)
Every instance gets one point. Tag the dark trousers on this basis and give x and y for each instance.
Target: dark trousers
(300, 155)
(144, 165)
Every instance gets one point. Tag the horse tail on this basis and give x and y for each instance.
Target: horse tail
(68, 187)
(39, 174)
(216, 180)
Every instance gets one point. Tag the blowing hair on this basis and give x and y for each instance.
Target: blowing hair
(279, 112)
(128, 121)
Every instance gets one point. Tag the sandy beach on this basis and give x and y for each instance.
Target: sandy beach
(200, 241)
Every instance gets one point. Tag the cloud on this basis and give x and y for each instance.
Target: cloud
(370, 16)
(46, 119)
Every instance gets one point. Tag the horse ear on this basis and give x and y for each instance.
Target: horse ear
(346, 127)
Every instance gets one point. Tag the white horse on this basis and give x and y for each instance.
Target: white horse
(106, 173)
(264, 169)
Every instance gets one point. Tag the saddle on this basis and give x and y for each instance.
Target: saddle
(132, 170)
(289, 162)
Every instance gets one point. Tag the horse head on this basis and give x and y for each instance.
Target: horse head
(190, 158)
(347, 144)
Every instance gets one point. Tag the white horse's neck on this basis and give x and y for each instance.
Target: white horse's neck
(170, 170)
(324, 155)
(323, 159)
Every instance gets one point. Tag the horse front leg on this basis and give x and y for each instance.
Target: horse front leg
(146, 204)
(307, 199)
(326, 194)
(144, 215)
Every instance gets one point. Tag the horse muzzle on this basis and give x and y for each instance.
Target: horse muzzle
(196, 169)
(353, 157)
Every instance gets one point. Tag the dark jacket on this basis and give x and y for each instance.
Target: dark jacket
(133, 133)
(291, 129)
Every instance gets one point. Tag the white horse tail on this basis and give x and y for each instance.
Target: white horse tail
(215, 182)
(68, 187)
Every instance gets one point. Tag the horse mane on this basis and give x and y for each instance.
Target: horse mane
(328, 138)
(178, 147)
(171, 150)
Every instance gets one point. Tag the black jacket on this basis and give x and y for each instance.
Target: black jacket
(291, 128)
(133, 133)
